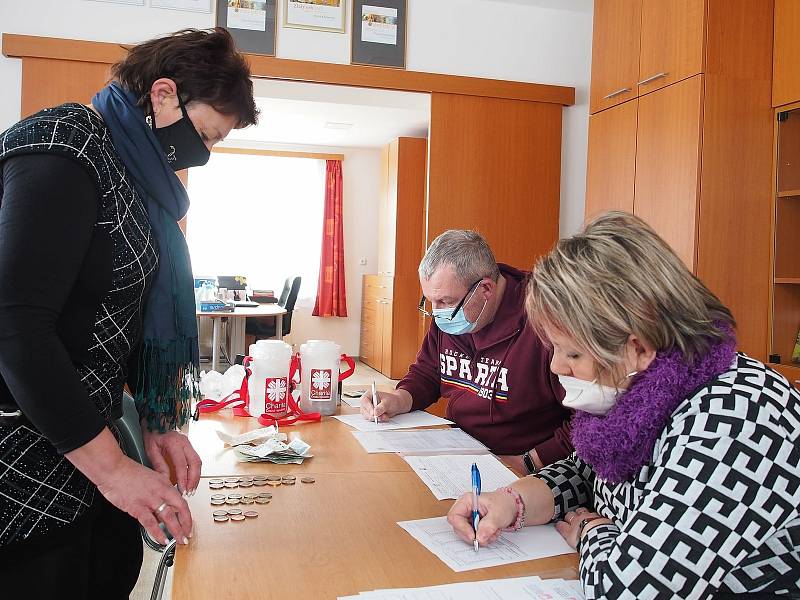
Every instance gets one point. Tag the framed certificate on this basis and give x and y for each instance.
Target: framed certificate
(251, 23)
(321, 15)
(379, 33)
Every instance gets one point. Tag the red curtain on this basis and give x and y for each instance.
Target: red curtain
(331, 294)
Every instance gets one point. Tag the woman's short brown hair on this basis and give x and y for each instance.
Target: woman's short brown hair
(205, 66)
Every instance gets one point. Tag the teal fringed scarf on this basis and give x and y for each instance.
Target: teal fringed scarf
(169, 355)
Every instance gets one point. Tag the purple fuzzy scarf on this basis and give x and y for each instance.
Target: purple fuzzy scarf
(618, 444)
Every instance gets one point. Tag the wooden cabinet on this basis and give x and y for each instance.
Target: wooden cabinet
(640, 46)
(786, 71)
(692, 158)
(615, 52)
(390, 319)
(611, 170)
(667, 156)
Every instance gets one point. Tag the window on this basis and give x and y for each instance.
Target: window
(258, 216)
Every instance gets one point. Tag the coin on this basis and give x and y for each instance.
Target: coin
(274, 483)
(245, 478)
(216, 480)
(231, 485)
(262, 500)
(217, 502)
(251, 496)
(292, 477)
(307, 480)
(231, 480)
(288, 482)
(251, 514)
(218, 496)
(235, 496)
(260, 482)
(266, 495)
(232, 501)
(273, 478)
(237, 517)
(248, 500)
(216, 486)
(234, 511)
(245, 484)
(221, 519)
(259, 477)
(220, 513)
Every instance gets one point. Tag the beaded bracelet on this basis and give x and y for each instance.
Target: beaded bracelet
(519, 523)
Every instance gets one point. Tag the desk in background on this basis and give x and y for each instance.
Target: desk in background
(237, 322)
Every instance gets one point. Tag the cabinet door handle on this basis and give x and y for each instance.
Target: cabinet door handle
(617, 93)
(653, 78)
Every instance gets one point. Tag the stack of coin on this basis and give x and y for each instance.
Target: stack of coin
(288, 480)
(216, 484)
(259, 480)
(231, 482)
(245, 482)
(220, 516)
(263, 498)
(217, 499)
(307, 480)
(274, 480)
(249, 498)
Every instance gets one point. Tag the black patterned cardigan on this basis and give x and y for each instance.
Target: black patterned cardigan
(715, 511)
(39, 489)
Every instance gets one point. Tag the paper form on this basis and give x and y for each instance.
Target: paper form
(518, 588)
(423, 441)
(448, 476)
(417, 418)
(529, 543)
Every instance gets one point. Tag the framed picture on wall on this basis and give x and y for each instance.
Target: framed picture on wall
(321, 15)
(378, 33)
(251, 23)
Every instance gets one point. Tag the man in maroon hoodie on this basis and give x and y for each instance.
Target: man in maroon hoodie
(481, 355)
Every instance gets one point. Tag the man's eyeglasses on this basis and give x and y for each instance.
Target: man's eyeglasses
(421, 307)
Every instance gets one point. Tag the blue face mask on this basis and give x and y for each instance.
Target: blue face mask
(456, 324)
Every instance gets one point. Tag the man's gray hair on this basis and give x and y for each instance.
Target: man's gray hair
(467, 252)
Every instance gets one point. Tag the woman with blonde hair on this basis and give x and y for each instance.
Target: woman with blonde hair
(685, 480)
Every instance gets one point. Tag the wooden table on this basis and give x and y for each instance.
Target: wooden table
(335, 537)
(237, 320)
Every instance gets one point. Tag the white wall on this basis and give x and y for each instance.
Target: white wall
(523, 40)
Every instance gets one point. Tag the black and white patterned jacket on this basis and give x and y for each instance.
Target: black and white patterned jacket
(40, 489)
(716, 510)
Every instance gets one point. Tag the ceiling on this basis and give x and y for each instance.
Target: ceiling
(308, 114)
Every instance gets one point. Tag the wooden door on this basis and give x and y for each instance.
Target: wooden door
(668, 144)
(495, 166)
(611, 167)
(786, 65)
(615, 52)
(672, 37)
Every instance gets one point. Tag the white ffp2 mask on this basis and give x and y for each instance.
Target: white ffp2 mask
(589, 396)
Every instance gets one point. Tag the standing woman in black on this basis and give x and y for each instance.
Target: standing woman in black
(95, 292)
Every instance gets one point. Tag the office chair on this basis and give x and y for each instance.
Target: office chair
(264, 327)
(132, 444)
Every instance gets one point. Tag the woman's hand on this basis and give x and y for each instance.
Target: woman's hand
(174, 448)
(569, 528)
(148, 497)
(498, 510)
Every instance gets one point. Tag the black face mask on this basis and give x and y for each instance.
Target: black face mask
(180, 141)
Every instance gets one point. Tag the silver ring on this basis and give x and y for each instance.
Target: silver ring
(161, 508)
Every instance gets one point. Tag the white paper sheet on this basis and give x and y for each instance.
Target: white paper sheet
(417, 418)
(423, 441)
(450, 475)
(529, 543)
(518, 588)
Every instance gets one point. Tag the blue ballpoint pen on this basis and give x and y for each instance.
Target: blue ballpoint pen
(476, 491)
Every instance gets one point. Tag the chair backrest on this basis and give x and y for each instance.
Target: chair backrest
(291, 288)
(131, 431)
